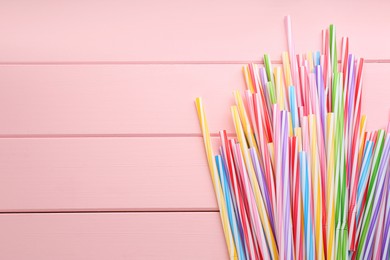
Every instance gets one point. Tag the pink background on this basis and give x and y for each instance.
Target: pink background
(100, 148)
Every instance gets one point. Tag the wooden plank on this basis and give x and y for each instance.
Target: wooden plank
(138, 99)
(104, 174)
(142, 236)
(74, 31)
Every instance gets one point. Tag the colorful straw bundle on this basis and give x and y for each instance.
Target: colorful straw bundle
(302, 179)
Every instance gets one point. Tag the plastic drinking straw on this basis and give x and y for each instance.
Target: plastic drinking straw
(367, 215)
(364, 175)
(257, 228)
(230, 207)
(278, 179)
(317, 189)
(305, 91)
(253, 70)
(333, 48)
(310, 60)
(237, 195)
(298, 135)
(264, 110)
(341, 219)
(291, 52)
(272, 92)
(354, 182)
(293, 107)
(265, 92)
(320, 149)
(215, 179)
(263, 187)
(250, 110)
(297, 214)
(306, 191)
(263, 147)
(321, 99)
(379, 238)
(343, 171)
(328, 83)
(252, 250)
(287, 221)
(349, 79)
(245, 120)
(255, 186)
(373, 222)
(268, 69)
(290, 127)
(344, 55)
(330, 187)
(262, 140)
(280, 90)
(247, 77)
(287, 69)
(385, 248)
(301, 81)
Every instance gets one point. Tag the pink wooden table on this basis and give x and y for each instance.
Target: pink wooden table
(100, 148)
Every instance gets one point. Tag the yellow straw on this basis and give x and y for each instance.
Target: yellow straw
(255, 185)
(330, 181)
(215, 179)
(248, 78)
(317, 187)
(245, 120)
(286, 68)
(290, 127)
(280, 96)
(298, 134)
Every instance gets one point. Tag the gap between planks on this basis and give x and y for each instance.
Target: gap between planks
(136, 135)
(157, 62)
(106, 211)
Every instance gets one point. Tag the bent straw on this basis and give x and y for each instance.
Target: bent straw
(215, 179)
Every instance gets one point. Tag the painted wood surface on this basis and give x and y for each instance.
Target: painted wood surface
(104, 174)
(138, 99)
(192, 235)
(100, 148)
(175, 30)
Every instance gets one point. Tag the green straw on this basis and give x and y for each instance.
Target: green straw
(268, 69)
(371, 191)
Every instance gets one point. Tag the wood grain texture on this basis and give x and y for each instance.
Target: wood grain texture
(112, 236)
(104, 174)
(97, 115)
(220, 30)
(138, 99)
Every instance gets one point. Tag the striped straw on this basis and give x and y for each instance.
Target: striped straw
(230, 208)
(384, 163)
(254, 183)
(370, 193)
(215, 178)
